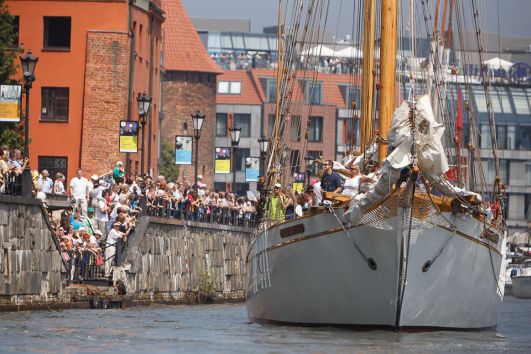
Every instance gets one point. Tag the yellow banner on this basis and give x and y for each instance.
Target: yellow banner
(297, 187)
(9, 112)
(129, 143)
(222, 166)
(10, 103)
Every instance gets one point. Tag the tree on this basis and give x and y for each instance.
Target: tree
(11, 134)
(168, 168)
(8, 53)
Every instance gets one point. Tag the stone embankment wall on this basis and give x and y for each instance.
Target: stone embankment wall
(30, 261)
(183, 261)
(165, 259)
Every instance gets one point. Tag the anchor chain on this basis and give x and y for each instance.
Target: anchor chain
(370, 261)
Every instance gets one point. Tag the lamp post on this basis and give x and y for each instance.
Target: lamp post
(235, 141)
(263, 142)
(197, 118)
(29, 62)
(144, 104)
(309, 162)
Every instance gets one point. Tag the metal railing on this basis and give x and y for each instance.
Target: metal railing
(13, 184)
(201, 213)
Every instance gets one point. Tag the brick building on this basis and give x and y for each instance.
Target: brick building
(321, 121)
(188, 85)
(95, 57)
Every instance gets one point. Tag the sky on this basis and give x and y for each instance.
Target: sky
(514, 14)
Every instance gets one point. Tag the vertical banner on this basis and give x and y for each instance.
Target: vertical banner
(128, 136)
(10, 99)
(222, 160)
(252, 169)
(183, 150)
(298, 182)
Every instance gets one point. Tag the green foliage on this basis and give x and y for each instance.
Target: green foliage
(206, 284)
(167, 166)
(12, 135)
(7, 52)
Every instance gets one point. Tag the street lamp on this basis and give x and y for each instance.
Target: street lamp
(235, 141)
(309, 164)
(263, 142)
(144, 104)
(197, 118)
(28, 62)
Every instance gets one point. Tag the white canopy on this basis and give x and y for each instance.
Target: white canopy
(318, 51)
(498, 63)
(349, 52)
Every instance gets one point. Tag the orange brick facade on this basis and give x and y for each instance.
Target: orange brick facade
(95, 69)
(105, 101)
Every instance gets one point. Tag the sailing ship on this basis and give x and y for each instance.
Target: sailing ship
(414, 250)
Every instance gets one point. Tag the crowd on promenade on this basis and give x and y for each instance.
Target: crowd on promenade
(105, 208)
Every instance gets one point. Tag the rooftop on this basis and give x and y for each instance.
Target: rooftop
(183, 49)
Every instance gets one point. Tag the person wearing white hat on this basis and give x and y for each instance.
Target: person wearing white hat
(110, 251)
(277, 204)
(118, 172)
(200, 183)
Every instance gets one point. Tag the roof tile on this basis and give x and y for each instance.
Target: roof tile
(183, 49)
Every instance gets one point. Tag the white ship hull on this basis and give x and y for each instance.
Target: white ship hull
(317, 276)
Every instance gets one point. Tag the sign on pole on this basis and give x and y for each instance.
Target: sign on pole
(10, 102)
(222, 160)
(252, 169)
(128, 136)
(298, 182)
(183, 150)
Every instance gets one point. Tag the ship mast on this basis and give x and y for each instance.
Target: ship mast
(387, 72)
(367, 90)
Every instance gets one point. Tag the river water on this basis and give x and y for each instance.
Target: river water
(225, 329)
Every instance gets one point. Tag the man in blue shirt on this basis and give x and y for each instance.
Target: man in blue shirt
(331, 181)
(46, 182)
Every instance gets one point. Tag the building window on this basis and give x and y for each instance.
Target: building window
(315, 155)
(528, 174)
(243, 121)
(295, 125)
(295, 161)
(16, 26)
(524, 138)
(506, 136)
(270, 88)
(485, 140)
(312, 92)
(221, 124)
(527, 207)
(54, 164)
(490, 172)
(315, 130)
(271, 124)
(241, 154)
(241, 188)
(57, 32)
(347, 131)
(350, 93)
(220, 186)
(54, 104)
(230, 87)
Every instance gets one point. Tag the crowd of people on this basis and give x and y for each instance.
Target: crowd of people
(105, 208)
(285, 204)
